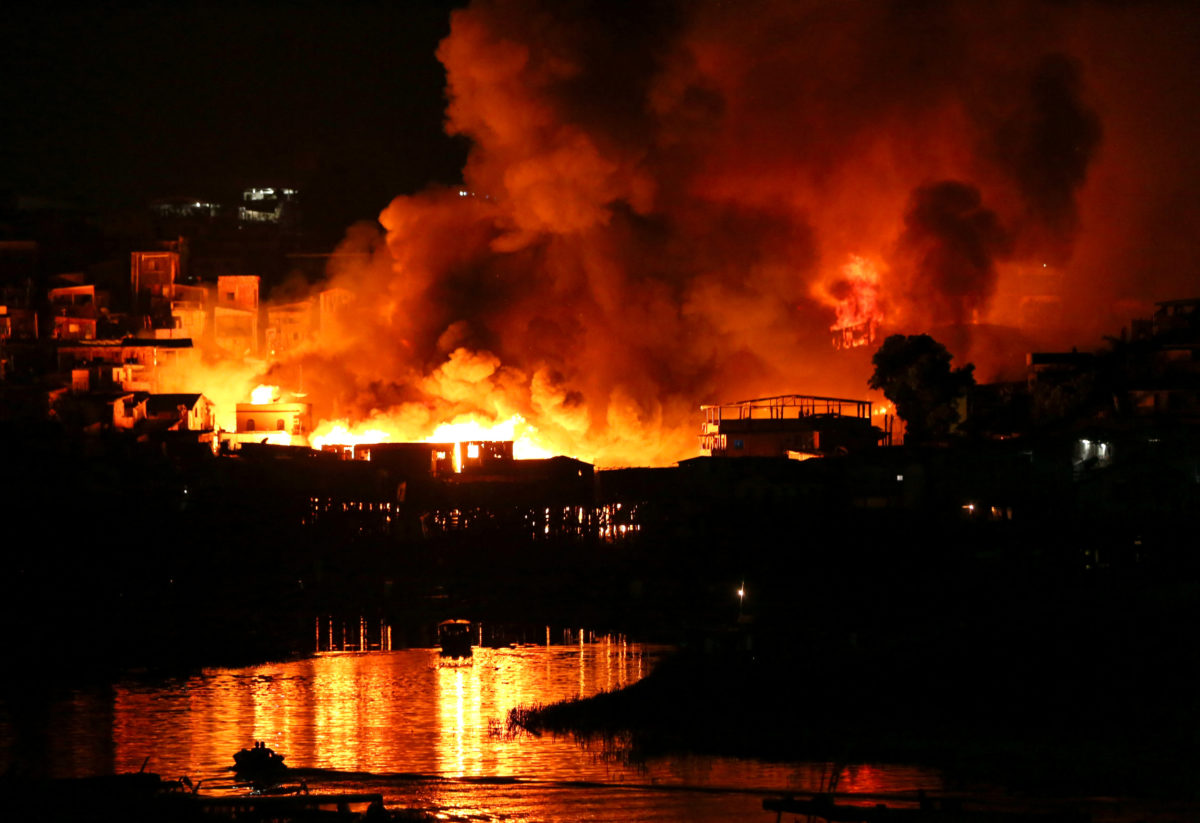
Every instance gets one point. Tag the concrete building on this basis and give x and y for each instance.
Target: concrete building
(282, 424)
(235, 315)
(289, 326)
(181, 412)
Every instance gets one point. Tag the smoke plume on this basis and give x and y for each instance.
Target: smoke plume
(660, 199)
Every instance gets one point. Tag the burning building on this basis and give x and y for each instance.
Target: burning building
(284, 424)
(645, 220)
(464, 489)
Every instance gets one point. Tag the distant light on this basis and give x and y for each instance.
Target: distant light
(899, 478)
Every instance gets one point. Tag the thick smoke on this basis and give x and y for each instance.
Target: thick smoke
(1047, 146)
(660, 197)
(944, 269)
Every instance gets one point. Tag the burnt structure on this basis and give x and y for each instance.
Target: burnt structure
(790, 425)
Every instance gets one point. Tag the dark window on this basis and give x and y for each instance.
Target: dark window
(279, 424)
(250, 425)
(738, 444)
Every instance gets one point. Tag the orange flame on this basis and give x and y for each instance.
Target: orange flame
(262, 395)
(854, 297)
(527, 444)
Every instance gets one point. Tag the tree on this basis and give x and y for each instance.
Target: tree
(913, 371)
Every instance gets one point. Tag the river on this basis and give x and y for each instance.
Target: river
(426, 735)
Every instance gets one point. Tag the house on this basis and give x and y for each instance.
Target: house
(235, 315)
(181, 412)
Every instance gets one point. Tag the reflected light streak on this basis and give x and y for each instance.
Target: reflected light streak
(401, 713)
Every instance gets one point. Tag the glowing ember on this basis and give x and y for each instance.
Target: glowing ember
(263, 395)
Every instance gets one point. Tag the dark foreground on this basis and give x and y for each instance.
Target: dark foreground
(1100, 700)
(147, 798)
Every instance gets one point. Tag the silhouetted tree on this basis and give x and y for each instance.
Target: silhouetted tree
(913, 371)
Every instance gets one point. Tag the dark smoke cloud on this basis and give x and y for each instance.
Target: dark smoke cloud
(1047, 146)
(945, 259)
(664, 195)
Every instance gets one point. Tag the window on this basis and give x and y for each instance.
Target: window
(279, 425)
(250, 425)
(738, 444)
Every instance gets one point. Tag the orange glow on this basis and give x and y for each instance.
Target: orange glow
(277, 438)
(854, 296)
(262, 395)
(527, 444)
(608, 263)
(339, 433)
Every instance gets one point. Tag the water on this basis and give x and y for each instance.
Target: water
(421, 733)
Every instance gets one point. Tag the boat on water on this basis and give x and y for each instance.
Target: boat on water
(454, 637)
(261, 765)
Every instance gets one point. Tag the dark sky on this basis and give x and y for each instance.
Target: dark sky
(115, 107)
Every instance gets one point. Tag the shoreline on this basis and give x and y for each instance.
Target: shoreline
(692, 704)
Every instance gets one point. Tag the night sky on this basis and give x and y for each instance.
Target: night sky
(107, 108)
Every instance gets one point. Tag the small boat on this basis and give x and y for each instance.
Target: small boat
(260, 764)
(454, 636)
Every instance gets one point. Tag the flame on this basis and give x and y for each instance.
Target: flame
(278, 439)
(339, 433)
(614, 260)
(854, 297)
(263, 395)
(527, 445)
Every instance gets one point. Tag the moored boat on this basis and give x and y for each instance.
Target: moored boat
(454, 637)
(260, 764)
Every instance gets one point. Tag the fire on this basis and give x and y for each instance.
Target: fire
(689, 234)
(526, 443)
(854, 297)
(276, 439)
(338, 433)
(263, 395)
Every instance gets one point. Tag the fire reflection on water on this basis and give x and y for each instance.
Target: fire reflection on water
(383, 712)
(421, 734)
